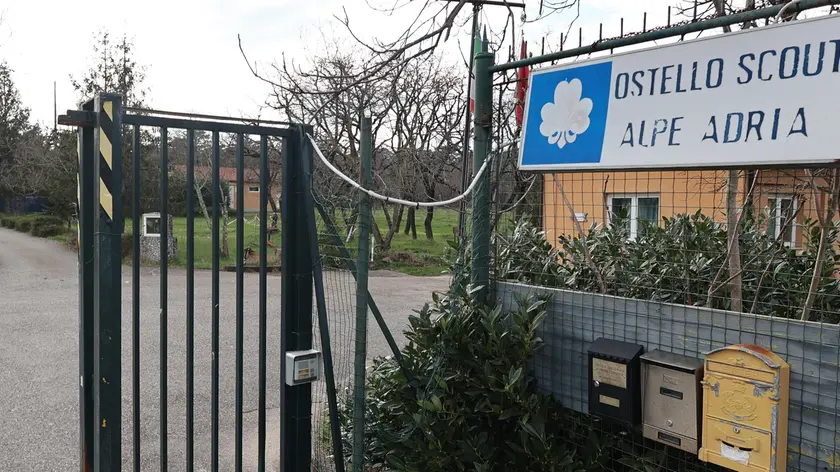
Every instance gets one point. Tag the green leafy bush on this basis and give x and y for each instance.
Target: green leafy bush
(46, 225)
(468, 402)
(681, 261)
(23, 225)
(47, 231)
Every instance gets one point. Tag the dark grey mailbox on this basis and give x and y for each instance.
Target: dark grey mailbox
(614, 381)
(671, 389)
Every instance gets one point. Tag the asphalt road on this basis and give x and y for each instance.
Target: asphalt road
(39, 367)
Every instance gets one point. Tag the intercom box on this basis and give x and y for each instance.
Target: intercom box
(746, 390)
(672, 399)
(614, 381)
(303, 366)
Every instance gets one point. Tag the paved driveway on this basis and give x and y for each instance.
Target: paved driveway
(39, 355)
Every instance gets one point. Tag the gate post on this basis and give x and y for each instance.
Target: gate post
(87, 209)
(365, 216)
(296, 307)
(107, 283)
(481, 146)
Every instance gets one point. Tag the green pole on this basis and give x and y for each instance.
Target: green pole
(363, 265)
(481, 147)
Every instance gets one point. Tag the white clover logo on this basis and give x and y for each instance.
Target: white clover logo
(568, 116)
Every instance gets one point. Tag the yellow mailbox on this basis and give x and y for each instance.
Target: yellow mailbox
(745, 409)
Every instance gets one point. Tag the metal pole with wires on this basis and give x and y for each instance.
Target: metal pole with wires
(365, 216)
(480, 271)
(465, 153)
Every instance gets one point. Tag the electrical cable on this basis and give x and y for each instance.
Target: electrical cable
(400, 201)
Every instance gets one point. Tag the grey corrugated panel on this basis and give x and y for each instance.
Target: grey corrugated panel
(575, 319)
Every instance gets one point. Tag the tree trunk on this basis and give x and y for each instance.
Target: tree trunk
(384, 241)
(430, 214)
(410, 223)
(816, 276)
(430, 211)
(203, 205)
(732, 232)
(225, 251)
(732, 229)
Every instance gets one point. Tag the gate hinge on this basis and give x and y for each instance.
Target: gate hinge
(77, 118)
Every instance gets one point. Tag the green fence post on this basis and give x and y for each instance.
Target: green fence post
(296, 306)
(107, 284)
(481, 147)
(362, 298)
(88, 211)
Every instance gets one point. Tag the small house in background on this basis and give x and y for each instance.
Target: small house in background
(251, 193)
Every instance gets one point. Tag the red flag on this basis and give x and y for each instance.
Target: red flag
(521, 87)
(475, 51)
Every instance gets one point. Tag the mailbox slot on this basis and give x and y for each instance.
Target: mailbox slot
(671, 387)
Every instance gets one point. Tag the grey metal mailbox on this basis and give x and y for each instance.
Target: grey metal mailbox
(672, 406)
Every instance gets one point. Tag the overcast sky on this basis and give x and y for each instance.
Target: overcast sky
(190, 46)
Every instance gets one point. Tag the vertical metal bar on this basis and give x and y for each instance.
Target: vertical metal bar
(88, 213)
(462, 213)
(600, 32)
(315, 263)
(362, 297)
(135, 298)
(669, 15)
(264, 193)
(214, 334)
(107, 299)
(164, 294)
(580, 37)
(621, 32)
(190, 341)
(296, 307)
(644, 23)
(562, 42)
(481, 201)
(240, 293)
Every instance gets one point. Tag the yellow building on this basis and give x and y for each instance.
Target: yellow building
(785, 196)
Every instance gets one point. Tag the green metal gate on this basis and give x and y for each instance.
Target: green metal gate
(104, 126)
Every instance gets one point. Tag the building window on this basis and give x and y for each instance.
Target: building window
(253, 188)
(634, 212)
(780, 214)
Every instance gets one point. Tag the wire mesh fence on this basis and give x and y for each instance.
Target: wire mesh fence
(652, 258)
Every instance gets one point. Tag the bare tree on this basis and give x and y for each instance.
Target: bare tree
(414, 110)
(426, 132)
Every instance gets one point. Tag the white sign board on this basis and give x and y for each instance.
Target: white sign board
(769, 95)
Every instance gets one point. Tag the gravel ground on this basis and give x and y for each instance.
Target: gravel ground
(39, 356)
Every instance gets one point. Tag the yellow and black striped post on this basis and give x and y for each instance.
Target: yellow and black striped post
(107, 262)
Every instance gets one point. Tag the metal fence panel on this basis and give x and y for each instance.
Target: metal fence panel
(575, 319)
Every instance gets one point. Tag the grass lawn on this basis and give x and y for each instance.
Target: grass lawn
(407, 255)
